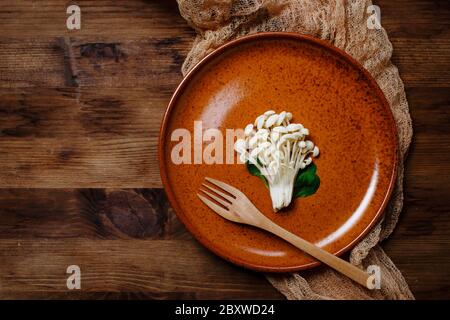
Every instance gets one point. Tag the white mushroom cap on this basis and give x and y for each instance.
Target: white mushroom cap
(271, 120)
(281, 118)
(248, 129)
(294, 127)
(309, 145)
(315, 151)
(280, 129)
(259, 122)
(262, 131)
(289, 116)
(262, 135)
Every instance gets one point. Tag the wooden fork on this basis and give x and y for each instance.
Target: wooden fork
(235, 206)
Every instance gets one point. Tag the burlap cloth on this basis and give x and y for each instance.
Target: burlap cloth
(344, 24)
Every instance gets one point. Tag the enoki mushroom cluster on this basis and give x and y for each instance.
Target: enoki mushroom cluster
(279, 149)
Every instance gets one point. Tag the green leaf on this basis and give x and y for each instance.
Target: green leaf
(306, 175)
(307, 182)
(255, 172)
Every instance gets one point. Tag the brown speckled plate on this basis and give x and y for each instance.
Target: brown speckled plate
(328, 92)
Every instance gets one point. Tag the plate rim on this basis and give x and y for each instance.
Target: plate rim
(184, 82)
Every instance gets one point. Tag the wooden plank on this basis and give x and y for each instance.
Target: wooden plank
(430, 110)
(420, 34)
(426, 207)
(429, 155)
(152, 63)
(149, 19)
(53, 136)
(424, 264)
(416, 71)
(76, 112)
(425, 220)
(415, 19)
(126, 162)
(88, 213)
(422, 221)
(37, 268)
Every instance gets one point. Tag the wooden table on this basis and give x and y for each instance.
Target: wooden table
(80, 114)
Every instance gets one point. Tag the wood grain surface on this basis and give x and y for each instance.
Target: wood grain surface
(79, 182)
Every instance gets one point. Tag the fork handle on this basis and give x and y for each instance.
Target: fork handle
(329, 259)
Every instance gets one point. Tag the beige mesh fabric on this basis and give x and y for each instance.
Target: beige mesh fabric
(344, 23)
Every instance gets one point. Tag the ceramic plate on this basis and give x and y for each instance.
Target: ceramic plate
(330, 94)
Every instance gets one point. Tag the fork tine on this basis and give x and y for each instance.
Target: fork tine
(233, 191)
(220, 193)
(218, 199)
(215, 207)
